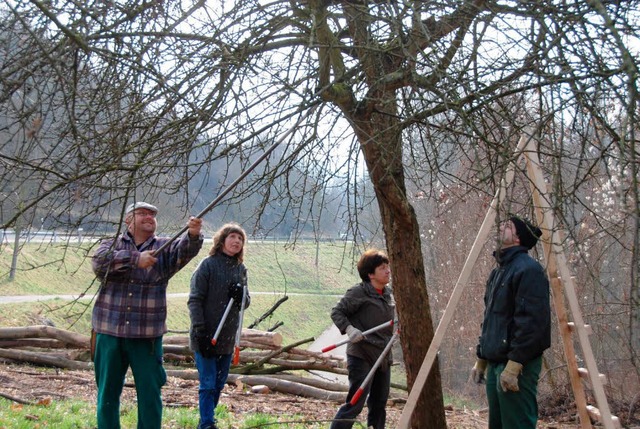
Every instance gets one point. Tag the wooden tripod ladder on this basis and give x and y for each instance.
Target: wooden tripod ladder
(560, 278)
(556, 262)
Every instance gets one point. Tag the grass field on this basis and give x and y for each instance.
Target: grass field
(324, 268)
(274, 268)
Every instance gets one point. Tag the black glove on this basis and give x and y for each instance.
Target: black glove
(236, 291)
(204, 345)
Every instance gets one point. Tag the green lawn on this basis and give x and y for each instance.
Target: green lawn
(322, 268)
(273, 267)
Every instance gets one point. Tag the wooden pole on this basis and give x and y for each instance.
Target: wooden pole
(481, 238)
(554, 252)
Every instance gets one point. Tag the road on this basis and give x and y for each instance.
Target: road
(11, 299)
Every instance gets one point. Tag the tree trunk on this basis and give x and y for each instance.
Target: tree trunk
(16, 252)
(381, 143)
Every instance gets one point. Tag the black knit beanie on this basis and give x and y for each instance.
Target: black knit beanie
(527, 232)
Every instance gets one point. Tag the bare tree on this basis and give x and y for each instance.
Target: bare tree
(135, 98)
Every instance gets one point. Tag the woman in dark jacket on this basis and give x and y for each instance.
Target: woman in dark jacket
(218, 278)
(365, 306)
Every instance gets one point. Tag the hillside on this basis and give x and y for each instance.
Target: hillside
(275, 270)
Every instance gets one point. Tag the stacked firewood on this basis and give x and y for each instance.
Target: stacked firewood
(264, 361)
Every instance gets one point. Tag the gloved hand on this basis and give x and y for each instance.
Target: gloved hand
(355, 335)
(236, 291)
(509, 376)
(478, 371)
(204, 345)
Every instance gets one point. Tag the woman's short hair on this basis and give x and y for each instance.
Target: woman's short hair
(221, 235)
(369, 261)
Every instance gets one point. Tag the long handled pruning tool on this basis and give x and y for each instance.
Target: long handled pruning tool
(244, 174)
(365, 333)
(375, 366)
(236, 351)
(214, 340)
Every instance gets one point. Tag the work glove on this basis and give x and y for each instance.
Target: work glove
(479, 370)
(355, 335)
(509, 376)
(204, 344)
(236, 291)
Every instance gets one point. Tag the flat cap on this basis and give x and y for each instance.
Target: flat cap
(141, 205)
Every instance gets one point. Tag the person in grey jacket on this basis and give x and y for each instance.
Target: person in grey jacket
(219, 277)
(516, 329)
(364, 306)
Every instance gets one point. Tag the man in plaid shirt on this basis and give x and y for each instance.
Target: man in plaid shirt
(129, 316)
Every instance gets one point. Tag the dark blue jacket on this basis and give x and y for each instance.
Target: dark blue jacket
(517, 316)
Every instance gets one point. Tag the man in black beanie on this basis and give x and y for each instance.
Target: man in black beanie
(516, 329)
(526, 232)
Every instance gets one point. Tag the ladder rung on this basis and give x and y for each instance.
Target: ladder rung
(572, 328)
(584, 374)
(594, 413)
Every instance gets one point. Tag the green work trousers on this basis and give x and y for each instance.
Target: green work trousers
(513, 410)
(113, 357)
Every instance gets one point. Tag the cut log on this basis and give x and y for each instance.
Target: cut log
(247, 338)
(72, 352)
(176, 349)
(262, 337)
(42, 343)
(44, 331)
(295, 355)
(285, 365)
(44, 359)
(314, 382)
(290, 387)
(250, 368)
(177, 340)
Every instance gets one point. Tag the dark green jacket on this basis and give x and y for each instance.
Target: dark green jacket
(364, 308)
(517, 316)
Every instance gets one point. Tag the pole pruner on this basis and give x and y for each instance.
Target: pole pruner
(375, 366)
(236, 350)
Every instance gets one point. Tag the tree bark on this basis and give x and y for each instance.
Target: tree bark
(380, 140)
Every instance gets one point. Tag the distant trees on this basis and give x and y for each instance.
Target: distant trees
(132, 100)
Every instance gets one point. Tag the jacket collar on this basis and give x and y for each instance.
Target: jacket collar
(504, 256)
(371, 290)
(126, 236)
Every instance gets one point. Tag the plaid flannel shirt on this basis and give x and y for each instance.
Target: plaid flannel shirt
(132, 302)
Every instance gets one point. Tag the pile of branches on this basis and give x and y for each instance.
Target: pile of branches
(263, 359)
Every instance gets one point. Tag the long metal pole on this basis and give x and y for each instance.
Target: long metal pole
(244, 174)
